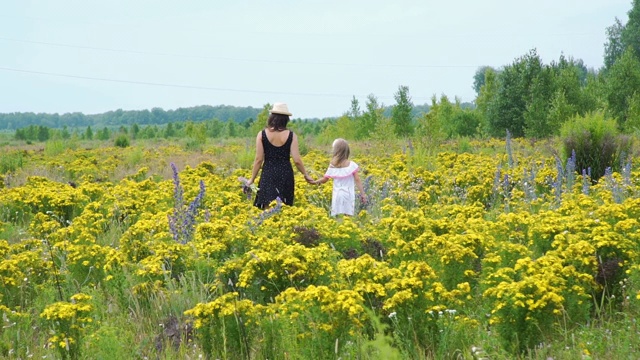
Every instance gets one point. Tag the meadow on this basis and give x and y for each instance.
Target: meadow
(471, 249)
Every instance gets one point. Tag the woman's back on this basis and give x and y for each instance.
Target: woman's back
(277, 173)
(277, 138)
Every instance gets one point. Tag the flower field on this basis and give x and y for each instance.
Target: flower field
(153, 251)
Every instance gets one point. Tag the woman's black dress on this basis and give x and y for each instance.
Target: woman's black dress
(276, 179)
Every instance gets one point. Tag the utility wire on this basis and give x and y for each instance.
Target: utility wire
(137, 52)
(179, 85)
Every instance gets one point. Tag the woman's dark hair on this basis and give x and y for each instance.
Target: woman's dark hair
(278, 121)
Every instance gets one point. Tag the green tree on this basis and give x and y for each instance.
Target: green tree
(488, 93)
(560, 111)
(516, 85)
(614, 47)
(355, 114)
(103, 134)
(480, 77)
(593, 94)
(632, 125)
(430, 130)
(384, 131)
(372, 115)
(623, 81)
(466, 121)
(43, 133)
(89, 133)
(354, 111)
(261, 120)
(135, 130)
(169, 131)
(630, 35)
(214, 128)
(401, 113)
(232, 128)
(536, 121)
(65, 134)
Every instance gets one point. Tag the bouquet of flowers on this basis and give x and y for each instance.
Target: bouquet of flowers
(248, 190)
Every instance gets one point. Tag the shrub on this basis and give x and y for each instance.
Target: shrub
(122, 141)
(10, 162)
(596, 142)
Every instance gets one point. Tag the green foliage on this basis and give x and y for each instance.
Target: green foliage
(623, 82)
(89, 133)
(169, 131)
(33, 133)
(487, 93)
(632, 125)
(11, 161)
(516, 86)
(614, 47)
(480, 77)
(54, 147)
(430, 131)
(533, 99)
(135, 130)
(370, 117)
(103, 134)
(630, 34)
(560, 110)
(343, 127)
(122, 141)
(384, 132)
(156, 116)
(596, 143)
(261, 120)
(381, 346)
(401, 113)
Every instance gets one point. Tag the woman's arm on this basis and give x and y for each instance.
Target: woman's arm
(297, 160)
(257, 162)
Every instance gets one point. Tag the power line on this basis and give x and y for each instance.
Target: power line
(180, 85)
(137, 52)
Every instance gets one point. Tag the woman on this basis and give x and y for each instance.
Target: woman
(275, 145)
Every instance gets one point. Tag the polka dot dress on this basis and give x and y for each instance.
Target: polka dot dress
(276, 179)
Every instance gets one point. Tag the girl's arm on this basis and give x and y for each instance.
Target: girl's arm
(356, 177)
(257, 162)
(297, 159)
(320, 181)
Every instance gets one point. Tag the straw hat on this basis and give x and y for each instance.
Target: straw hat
(280, 108)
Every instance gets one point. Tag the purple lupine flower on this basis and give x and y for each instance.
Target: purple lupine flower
(509, 151)
(585, 182)
(557, 184)
(626, 173)
(613, 186)
(570, 170)
(183, 220)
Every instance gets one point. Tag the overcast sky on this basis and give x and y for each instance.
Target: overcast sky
(94, 56)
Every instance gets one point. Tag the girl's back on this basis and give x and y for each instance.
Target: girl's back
(344, 195)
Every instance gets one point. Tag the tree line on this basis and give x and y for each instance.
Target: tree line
(155, 116)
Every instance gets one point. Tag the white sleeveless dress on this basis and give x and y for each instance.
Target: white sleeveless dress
(343, 199)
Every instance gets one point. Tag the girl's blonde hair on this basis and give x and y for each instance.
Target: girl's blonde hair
(340, 152)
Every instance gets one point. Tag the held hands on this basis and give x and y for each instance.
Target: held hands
(309, 179)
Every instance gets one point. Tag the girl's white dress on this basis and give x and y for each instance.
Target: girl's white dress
(343, 199)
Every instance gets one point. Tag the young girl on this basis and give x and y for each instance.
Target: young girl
(344, 174)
